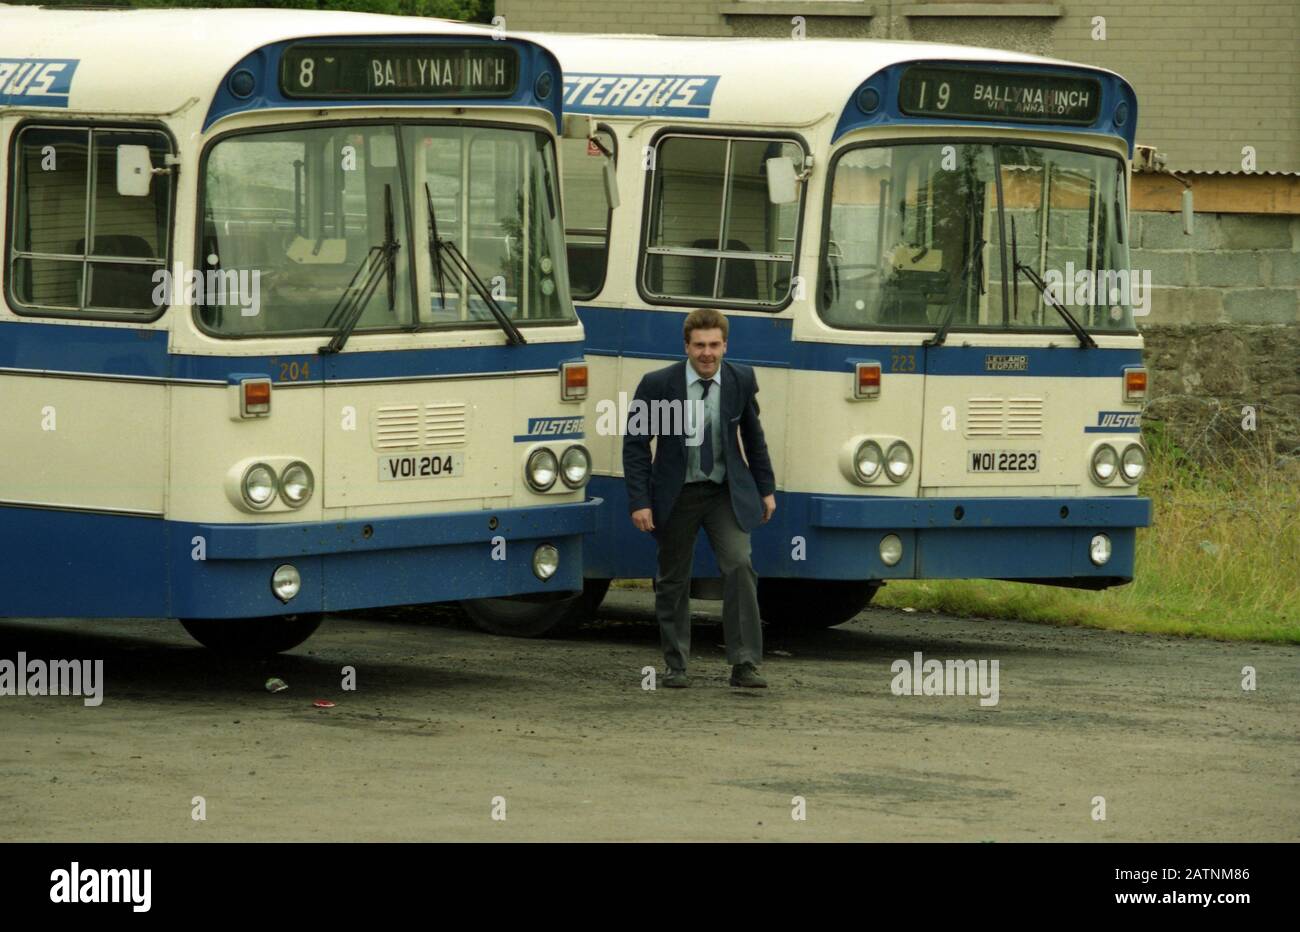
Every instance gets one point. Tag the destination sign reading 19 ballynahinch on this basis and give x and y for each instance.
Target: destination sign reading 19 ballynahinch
(999, 95)
(378, 71)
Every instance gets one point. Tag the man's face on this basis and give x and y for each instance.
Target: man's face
(706, 349)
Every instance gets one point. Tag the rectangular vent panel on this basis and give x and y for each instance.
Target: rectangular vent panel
(419, 427)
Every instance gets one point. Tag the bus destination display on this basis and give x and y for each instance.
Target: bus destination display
(425, 71)
(999, 95)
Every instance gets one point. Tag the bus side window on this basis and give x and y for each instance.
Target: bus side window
(587, 215)
(713, 233)
(78, 247)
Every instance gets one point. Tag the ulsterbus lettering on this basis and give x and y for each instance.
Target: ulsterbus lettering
(45, 81)
(1116, 422)
(547, 426)
(639, 93)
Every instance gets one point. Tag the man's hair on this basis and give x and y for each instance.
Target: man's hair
(704, 318)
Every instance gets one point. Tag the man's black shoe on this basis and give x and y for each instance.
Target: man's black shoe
(676, 679)
(746, 674)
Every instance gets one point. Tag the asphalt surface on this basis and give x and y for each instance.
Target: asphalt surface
(449, 729)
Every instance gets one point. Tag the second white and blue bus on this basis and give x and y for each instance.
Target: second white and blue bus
(880, 221)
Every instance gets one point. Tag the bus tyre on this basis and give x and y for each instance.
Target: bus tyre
(812, 604)
(253, 637)
(531, 616)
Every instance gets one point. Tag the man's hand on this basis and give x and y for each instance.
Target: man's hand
(644, 520)
(769, 507)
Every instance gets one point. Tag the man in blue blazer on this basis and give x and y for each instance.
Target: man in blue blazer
(707, 483)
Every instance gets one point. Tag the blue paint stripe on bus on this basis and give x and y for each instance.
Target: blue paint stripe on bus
(1003, 538)
(766, 341)
(83, 564)
(142, 353)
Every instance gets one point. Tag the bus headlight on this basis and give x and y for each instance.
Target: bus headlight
(575, 466)
(296, 484)
(285, 582)
(1133, 463)
(546, 560)
(541, 469)
(258, 486)
(867, 460)
(891, 549)
(1105, 463)
(1099, 550)
(898, 462)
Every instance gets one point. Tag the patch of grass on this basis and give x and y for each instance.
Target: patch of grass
(1221, 560)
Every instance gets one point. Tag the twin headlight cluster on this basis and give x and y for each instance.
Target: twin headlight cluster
(870, 460)
(260, 485)
(1107, 463)
(543, 468)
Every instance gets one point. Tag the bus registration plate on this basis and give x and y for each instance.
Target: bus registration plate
(1002, 461)
(421, 466)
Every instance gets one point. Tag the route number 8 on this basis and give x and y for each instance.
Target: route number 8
(306, 72)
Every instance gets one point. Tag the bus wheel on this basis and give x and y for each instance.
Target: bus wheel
(812, 604)
(530, 616)
(253, 637)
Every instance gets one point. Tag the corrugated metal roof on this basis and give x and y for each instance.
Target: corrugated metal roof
(1213, 171)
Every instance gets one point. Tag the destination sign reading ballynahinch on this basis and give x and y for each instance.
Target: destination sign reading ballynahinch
(407, 70)
(1020, 96)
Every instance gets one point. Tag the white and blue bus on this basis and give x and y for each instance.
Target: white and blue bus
(286, 325)
(888, 226)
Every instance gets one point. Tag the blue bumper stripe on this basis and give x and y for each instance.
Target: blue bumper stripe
(833, 511)
(838, 537)
(79, 564)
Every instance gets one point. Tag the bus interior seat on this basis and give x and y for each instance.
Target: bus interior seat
(740, 278)
(129, 286)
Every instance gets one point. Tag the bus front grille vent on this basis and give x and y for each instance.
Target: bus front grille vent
(989, 416)
(419, 427)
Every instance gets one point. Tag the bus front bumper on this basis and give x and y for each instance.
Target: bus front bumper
(366, 563)
(1045, 540)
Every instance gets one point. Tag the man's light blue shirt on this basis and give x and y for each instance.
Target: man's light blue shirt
(713, 418)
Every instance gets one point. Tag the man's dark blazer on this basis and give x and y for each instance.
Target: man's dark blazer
(656, 486)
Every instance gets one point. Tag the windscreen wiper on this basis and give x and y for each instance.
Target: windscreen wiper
(445, 250)
(1085, 339)
(435, 250)
(379, 262)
